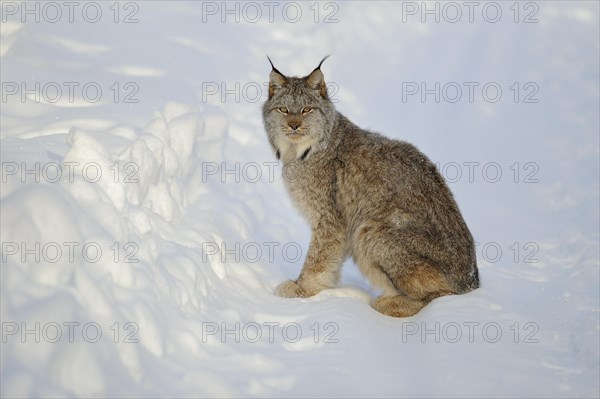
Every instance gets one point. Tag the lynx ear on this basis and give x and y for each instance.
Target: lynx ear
(276, 79)
(316, 80)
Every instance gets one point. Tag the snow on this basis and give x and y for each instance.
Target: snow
(142, 240)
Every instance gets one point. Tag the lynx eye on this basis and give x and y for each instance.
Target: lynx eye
(283, 110)
(306, 110)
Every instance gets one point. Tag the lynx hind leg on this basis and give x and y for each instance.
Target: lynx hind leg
(419, 285)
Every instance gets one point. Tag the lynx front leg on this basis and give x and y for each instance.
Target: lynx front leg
(290, 289)
(321, 269)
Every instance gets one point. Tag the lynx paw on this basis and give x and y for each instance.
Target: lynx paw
(290, 289)
(397, 305)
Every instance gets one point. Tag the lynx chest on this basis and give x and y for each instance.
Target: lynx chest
(311, 185)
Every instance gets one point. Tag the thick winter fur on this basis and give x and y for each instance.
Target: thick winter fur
(378, 200)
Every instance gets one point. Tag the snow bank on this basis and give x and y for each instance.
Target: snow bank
(99, 229)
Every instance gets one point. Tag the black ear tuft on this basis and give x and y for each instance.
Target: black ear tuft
(316, 80)
(276, 79)
(273, 66)
(323, 60)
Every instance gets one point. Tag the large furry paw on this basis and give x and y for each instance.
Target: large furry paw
(397, 305)
(290, 289)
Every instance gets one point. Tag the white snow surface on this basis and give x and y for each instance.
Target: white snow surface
(141, 251)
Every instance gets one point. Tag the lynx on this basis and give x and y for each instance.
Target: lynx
(379, 201)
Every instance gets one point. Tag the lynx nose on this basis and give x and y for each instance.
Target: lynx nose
(294, 124)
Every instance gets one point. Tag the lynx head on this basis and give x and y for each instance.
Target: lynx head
(298, 116)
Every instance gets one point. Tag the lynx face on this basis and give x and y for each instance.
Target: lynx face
(298, 113)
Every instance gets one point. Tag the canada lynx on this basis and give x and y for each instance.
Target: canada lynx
(378, 200)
